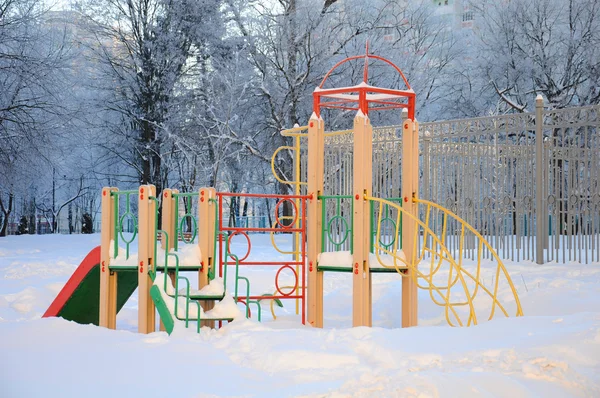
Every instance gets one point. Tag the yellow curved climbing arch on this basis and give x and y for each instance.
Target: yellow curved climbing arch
(454, 284)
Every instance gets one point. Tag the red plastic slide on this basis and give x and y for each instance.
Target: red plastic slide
(79, 299)
(89, 262)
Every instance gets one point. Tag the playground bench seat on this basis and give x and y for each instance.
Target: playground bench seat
(206, 296)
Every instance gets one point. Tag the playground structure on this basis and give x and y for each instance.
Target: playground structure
(360, 234)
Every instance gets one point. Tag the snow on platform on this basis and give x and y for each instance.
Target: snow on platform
(223, 309)
(189, 257)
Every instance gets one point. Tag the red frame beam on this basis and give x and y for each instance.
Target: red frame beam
(300, 279)
(363, 90)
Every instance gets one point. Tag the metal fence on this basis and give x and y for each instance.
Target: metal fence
(486, 171)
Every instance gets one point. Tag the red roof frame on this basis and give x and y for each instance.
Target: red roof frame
(364, 97)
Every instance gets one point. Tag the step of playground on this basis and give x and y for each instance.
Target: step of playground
(341, 261)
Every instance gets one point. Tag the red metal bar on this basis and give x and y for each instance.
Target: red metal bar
(336, 65)
(316, 105)
(330, 91)
(411, 107)
(399, 104)
(393, 66)
(386, 108)
(338, 102)
(220, 237)
(363, 104)
(347, 108)
(356, 89)
(300, 216)
(381, 90)
(303, 244)
(262, 195)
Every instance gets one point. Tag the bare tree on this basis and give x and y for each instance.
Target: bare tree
(32, 59)
(548, 47)
(147, 48)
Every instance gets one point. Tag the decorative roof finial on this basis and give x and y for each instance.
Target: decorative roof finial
(366, 69)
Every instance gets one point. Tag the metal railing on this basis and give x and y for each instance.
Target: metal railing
(529, 182)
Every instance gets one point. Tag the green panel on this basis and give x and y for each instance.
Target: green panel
(349, 269)
(205, 297)
(127, 282)
(84, 304)
(121, 268)
(334, 269)
(187, 268)
(384, 270)
(163, 310)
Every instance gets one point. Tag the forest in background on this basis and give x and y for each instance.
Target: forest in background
(191, 93)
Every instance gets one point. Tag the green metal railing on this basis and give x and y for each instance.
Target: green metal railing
(238, 278)
(337, 227)
(336, 230)
(388, 235)
(126, 222)
(186, 226)
(211, 271)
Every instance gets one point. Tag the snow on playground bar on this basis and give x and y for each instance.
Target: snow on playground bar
(405, 236)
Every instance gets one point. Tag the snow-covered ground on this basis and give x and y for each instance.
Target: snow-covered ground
(553, 351)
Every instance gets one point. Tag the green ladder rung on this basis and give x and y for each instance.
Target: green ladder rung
(181, 268)
(333, 268)
(200, 296)
(165, 315)
(118, 268)
(381, 270)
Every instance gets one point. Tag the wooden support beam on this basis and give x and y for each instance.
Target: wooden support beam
(146, 242)
(206, 237)
(410, 187)
(316, 144)
(362, 185)
(108, 279)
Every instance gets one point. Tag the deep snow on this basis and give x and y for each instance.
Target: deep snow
(553, 351)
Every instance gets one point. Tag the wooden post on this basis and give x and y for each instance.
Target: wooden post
(316, 144)
(410, 185)
(206, 236)
(108, 279)
(362, 185)
(146, 241)
(168, 219)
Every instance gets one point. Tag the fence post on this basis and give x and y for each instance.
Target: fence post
(539, 181)
(426, 166)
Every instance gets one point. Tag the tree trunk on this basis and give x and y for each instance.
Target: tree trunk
(32, 223)
(70, 218)
(6, 213)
